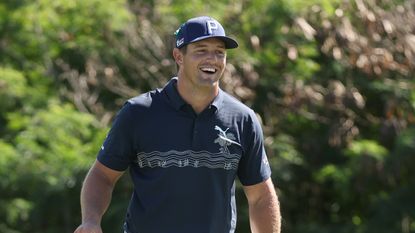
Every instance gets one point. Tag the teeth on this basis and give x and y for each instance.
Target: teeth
(208, 69)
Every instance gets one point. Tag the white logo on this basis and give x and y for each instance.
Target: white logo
(225, 139)
(180, 42)
(211, 24)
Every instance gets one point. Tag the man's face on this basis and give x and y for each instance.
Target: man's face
(204, 62)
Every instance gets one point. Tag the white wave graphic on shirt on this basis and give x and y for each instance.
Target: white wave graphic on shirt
(188, 158)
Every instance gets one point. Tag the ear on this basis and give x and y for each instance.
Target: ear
(178, 56)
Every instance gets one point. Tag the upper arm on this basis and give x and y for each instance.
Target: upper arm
(257, 192)
(253, 168)
(118, 150)
(264, 210)
(106, 174)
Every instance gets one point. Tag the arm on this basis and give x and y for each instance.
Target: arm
(96, 196)
(264, 209)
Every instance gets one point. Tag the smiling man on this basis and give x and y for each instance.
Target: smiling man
(184, 145)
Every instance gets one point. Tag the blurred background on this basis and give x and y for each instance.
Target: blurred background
(332, 82)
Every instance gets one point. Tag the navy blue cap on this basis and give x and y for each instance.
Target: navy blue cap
(201, 28)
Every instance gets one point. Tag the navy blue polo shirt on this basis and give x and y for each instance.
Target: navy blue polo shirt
(184, 165)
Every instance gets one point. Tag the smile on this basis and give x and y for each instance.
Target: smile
(209, 70)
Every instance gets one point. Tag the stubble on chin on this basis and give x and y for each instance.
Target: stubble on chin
(209, 79)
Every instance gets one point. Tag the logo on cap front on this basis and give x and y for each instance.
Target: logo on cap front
(211, 25)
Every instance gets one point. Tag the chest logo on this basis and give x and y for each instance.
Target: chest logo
(225, 139)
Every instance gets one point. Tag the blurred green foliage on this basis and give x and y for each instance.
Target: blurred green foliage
(332, 82)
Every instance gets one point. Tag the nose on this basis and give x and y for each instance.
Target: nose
(211, 56)
(214, 56)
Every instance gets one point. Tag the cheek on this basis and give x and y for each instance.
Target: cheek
(190, 65)
(222, 59)
(223, 62)
(188, 61)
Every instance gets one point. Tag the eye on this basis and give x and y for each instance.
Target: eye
(220, 52)
(201, 51)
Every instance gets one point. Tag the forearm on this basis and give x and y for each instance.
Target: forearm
(95, 197)
(264, 215)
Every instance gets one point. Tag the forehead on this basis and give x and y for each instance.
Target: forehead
(209, 42)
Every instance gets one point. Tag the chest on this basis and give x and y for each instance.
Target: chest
(185, 140)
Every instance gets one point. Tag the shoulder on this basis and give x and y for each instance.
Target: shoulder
(235, 106)
(140, 104)
(246, 116)
(144, 100)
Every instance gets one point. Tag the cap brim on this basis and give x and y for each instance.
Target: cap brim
(229, 42)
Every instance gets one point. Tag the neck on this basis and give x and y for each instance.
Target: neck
(198, 97)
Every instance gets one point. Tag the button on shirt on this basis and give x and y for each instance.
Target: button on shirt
(184, 165)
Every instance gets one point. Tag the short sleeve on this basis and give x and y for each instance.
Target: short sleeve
(117, 150)
(253, 167)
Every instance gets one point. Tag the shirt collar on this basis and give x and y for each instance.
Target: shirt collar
(177, 101)
(173, 95)
(217, 102)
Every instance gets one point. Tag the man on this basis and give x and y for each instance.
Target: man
(185, 144)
